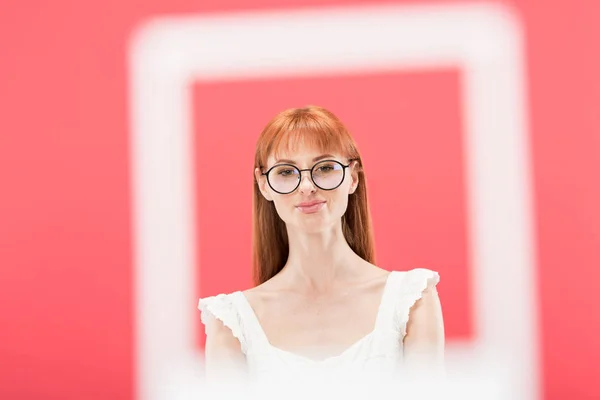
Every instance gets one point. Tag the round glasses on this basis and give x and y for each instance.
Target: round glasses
(326, 175)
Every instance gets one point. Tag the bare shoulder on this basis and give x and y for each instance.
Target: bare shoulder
(262, 295)
(219, 335)
(425, 326)
(375, 273)
(223, 351)
(259, 290)
(224, 333)
(428, 305)
(378, 271)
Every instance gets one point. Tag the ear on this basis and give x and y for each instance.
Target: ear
(261, 180)
(354, 169)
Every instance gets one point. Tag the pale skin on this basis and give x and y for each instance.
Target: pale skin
(326, 297)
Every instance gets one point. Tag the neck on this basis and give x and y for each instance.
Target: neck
(317, 260)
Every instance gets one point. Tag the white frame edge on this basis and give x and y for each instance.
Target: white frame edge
(168, 54)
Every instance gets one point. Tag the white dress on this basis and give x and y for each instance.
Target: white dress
(379, 353)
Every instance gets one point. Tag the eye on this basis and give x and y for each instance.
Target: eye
(326, 167)
(285, 171)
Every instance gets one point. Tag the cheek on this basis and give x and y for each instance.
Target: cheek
(339, 202)
(283, 205)
(344, 204)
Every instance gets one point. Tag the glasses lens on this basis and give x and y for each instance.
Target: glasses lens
(284, 178)
(328, 174)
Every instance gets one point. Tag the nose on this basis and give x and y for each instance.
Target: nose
(306, 184)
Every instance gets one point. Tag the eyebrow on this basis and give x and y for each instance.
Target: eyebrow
(284, 160)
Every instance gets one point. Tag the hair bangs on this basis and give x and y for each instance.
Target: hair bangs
(321, 141)
(305, 127)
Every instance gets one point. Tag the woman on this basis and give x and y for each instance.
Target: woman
(320, 305)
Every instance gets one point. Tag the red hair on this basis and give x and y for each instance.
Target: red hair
(320, 128)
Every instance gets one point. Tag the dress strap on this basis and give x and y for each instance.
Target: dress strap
(387, 307)
(255, 335)
(411, 288)
(403, 289)
(234, 311)
(223, 308)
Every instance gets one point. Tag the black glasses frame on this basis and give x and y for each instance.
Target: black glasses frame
(311, 175)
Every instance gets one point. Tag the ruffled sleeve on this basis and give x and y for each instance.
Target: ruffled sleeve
(222, 308)
(411, 290)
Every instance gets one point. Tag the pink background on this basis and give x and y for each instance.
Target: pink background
(66, 279)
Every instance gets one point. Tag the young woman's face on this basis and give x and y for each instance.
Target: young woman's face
(309, 206)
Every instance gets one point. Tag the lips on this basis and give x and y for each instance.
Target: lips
(309, 207)
(309, 203)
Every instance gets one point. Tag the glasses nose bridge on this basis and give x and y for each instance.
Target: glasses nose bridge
(309, 170)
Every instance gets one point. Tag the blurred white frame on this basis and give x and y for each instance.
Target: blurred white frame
(167, 55)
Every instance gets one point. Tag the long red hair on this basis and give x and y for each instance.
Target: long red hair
(318, 127)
